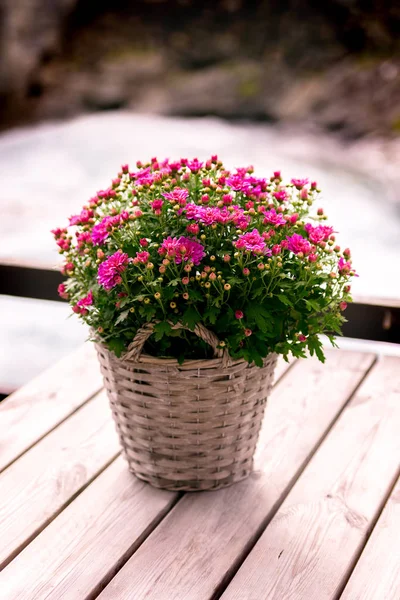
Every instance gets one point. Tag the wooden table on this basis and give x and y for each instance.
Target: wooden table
(318, 519)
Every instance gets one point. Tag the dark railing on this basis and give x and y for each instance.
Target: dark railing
(375, 319)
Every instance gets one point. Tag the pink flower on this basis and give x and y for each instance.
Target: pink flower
(83, 217)
(247, 332)
(281, 195)
(344, 267)
(157, 205)
(193, 228)
(195, 165)
(141, 257)
(182, 249)
(227, 199)
(80, 306)
(297, 244)
(273, 218)
(59, 232)
(87, 300)
(101, 231)
(143, 242)
(246, 271)
(343, 306)
(62, 291)
(299, 183)
(239, 314)
(301, 337)
(253, 242)
(83, 239)
(227, 258)
(318, 234)
(109, 273)
(179, 195)
(185, 280)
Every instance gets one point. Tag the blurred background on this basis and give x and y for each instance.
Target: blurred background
(308, 87)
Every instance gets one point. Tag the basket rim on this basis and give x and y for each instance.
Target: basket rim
(173, 362)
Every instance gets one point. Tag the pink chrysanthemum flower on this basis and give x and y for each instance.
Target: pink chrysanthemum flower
(193, 228)
(179, 195)
(182, 249)
(80, 307)
(109, 273)
(101, 231)
(82, 218)
(344, 266)
(318, 234)
(299, 183)
(253, 242)
(194, 165)
(189, 250)
(141, 257)
(87, 300)
(62, 291)
(297, 244)
(273, 218)
(281, 195)
(157, 205)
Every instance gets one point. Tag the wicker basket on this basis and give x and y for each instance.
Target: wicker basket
(186, 427)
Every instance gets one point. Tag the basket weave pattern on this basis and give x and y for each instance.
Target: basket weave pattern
(186, 427)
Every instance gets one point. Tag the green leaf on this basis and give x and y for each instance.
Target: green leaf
(313, 305)
(122, 316)
(191, 317)
(285, 300)
(117, 346)
(211, 314)
(315, 347)
(147, 311)
(161, 329)
(260, 316)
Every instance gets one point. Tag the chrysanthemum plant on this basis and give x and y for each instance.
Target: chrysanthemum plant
(193, 242)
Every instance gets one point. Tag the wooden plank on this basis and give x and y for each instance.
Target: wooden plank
(377, 573)
(195, 547)
(84, 546)
(311, 545)
(32, 411)
(37, 486)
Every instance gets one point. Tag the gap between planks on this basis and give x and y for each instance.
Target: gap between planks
(204, 536)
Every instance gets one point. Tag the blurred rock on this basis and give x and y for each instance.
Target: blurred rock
(335, 64)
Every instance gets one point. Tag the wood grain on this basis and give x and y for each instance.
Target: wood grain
(310, 547)
(44, 479)
(197, 544)
(36, 408)
(84, 545)
(377, 573)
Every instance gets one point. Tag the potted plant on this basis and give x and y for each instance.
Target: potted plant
(193, 278)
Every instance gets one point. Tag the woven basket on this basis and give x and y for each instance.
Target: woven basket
(186, 427)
